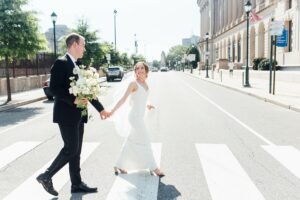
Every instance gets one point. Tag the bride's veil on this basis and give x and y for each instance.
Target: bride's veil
(120, 116)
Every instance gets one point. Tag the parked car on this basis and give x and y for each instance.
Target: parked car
(46, 88)
(114, 72)
(164, 69)
(154, 69)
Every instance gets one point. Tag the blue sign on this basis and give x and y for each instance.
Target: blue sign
(282, 40)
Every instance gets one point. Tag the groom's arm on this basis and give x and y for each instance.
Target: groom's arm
(97, 105)
(57, 83)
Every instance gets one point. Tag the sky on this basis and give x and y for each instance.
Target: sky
(158, 24)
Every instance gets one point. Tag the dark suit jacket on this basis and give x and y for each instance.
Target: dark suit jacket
(65, 111)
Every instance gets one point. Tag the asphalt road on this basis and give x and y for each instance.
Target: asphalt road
(211, 142)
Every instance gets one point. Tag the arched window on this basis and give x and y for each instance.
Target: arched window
(233, 51)
(229, 51)
(239, 50)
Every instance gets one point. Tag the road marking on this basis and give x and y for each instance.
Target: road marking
(137, 185)
(14, 151)
(288, 156)
(228, 114)
(225, 177)
(31, 189)
(25, 122)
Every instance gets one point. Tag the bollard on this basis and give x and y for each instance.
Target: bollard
(221, 75)
(243, 78)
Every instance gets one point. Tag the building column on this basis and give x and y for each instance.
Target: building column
(267, 42)
(229, 9)
(222, 14)
(296, 25)
(244, 46)
(225, 14)
(257, 44)
(252, 44)
(234, 12)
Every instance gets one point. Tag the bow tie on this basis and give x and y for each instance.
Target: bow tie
(78, 62)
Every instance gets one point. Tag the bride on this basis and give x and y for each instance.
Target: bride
(136, 152)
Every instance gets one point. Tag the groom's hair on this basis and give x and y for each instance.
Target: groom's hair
(71, 38)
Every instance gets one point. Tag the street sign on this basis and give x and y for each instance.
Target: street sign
(108, 57)
(281, 40)
(276, 27)
(191, 57)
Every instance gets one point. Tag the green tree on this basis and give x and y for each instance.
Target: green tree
(137, 58)
(19, 34)
(193, 50)
(155, 63)
(176, 53)
(94, 54)
(125, 60)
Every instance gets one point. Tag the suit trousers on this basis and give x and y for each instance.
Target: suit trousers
(72, 136)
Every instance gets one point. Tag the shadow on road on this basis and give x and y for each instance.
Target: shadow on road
(48, 101)
(77, 196)
(167, 192)
(14, 116)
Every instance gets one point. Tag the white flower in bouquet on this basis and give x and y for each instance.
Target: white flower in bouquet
(86, 85)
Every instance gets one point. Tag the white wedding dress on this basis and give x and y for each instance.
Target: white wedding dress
(136, 153)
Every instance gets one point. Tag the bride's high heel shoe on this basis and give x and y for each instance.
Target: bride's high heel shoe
(118, 170)
(157, 172)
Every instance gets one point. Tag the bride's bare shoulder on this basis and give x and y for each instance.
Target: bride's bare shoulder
(133, 86)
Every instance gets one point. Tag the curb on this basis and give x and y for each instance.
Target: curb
(21, 103)
(290, 107)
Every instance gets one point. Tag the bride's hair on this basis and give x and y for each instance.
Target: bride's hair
(145, 65)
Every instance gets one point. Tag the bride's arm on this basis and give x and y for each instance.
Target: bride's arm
(131, 88)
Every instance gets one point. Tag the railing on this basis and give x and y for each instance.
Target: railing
(41, 64)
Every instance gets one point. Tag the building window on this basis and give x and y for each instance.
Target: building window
(239, 50)
(229, 49)
(290, 4)
(217, 53)
(290, 28)
(233, 51)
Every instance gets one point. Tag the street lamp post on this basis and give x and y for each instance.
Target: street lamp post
(206, 54)
(108, 58)
(135, 44)
(248, 8)
(54, 17)
(115, 27)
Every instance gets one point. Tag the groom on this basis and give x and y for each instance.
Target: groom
(68, 117)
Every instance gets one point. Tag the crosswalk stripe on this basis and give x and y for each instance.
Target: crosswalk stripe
(225, 177)
(31, 189)
(14, 151)
(288, 156)
(138, 185)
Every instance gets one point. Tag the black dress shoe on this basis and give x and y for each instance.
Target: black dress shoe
(83, 188)
(47, 184)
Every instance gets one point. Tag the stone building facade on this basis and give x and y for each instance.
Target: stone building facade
(225, 21)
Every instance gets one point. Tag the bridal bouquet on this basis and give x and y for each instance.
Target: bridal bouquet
(85, 85)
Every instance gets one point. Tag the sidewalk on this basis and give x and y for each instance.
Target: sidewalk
(26, 97)
(287, 85)
(22, 98)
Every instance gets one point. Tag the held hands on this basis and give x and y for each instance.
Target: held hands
(150, 107)
(105, 114)
(84, 102)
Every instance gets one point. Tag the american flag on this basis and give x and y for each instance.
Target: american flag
(254, 17)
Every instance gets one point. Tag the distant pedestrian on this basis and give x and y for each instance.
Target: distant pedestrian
(231, 66)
